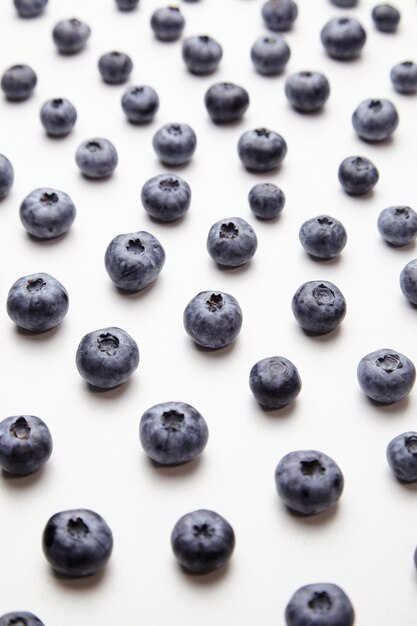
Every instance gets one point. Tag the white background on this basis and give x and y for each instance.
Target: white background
(366, 543)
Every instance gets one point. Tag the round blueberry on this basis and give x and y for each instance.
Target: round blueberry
(231, 242)
(6, 176)
(375, 120)
(307, 91)
(201, 54)
(357, 175)
(402, 456)
(404, 77)
(343, 38)
(275, 382)
(134, 260)
(25, 444)
(213, 319)
(266, 201)
(18, 82)
(226, 102)
(175, 144)
(261, 150)
(58, 117)
(398, 225)
(172, 433)
(20, 618)
(140, 104)
(202, 541)
(70, 36)
(115, 67)
(319, 604)
(37, 302)
(107, 357)
(386, 376)
(323, 237)
(408, 281)
(77, 542)
(167, 23)
(347, 4)
(318, 306)
(96, 158)
(127, 5)
(386, 18)
(308, 481)
(47, 213)
(270, 54)
(279, 15)
(30, 8)
(166, 198)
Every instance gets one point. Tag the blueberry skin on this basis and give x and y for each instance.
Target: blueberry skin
(173, 433)
(275, 382)
(398, 225)
(127, 5)
(323, 237)
(343, 38)
(402, 456)
(261, 150)
(107, 357)
(77, 542)
(25, 444)
(319, 604)
(18, 82)
(96, 158)
(202, 541)
(375, 120)
(231, 242)
(404, 77)
(167, 23)
(348, 4)
(140, 104)
(20, 618)
(201, 54)
(166, 198)
(47, 213)
(115, 67)
(386, 18)
(226, 102)
(134, 260)
(408, 281)
(213, 319)
(266, 201)
(58, 117)
(174, 144)
(307, 91)
(71, 36)
(318, 306)
(386, 376)
(357, 175)
(308, 481)
(6, 176)
(37, 302)
(279, 15)
(270, 54)
(30, 8)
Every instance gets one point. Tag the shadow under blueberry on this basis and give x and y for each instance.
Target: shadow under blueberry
(331, 336)
(101, 179)
(385, 143)
(392, 408)
(333, 261)
(47, 242)
(46, 335)
(175, 168)
(136, 295)
(212, 578)
(115, 392)
(223, 126)
(173, 471)
(359, 198)
(307, 114)
(240, 269)
(318, 519)
(265, 175)
(173, 224)
(214, 352)
(19, 481)
(83, 583)
(272, 414)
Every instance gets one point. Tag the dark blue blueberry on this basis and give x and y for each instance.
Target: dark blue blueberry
(6, 176)
(127, 5)
(96, 158)
(408, 281)
(308, 481)
(319, 604)
(20, 618)
(398, 225)
(58, 117)
(166, 198)
(201, 54)
(323, 237)
(25, 444)
(386, 376)
(30, 8)
(375, 120)
(226, 102)
(213, 319)
(167, 23)
(279, 15)
(231, 242)
(37, 302)
(175, 144)
(18, 82)
(172, 433)
(402, 456)
(107, 357)
(307, 91)
(261, 150)
(140, 104)
(77, 542)
(71, 36)
(115, 67)
(404, 77)
(347, 4)
(275, 382)
(266, 201)
(202, 541)
(270, 54)
(318, 306)
(386, 17)
(47, 213)
(134, 260)
(343, 38)
(357, 175)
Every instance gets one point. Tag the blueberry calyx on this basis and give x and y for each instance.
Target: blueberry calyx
(20, 428)
(168, 184)
(108, 343)
(135, 246)
(203, 530)
(229, 231)
(411, 445)
(172, 420)
(389, 362)
(215, 302)
(320, 602)
(35, 285)
(312, 468)
(323, 295)
(77, 528)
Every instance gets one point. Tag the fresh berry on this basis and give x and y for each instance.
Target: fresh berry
(279, 15)
(18, 82)
(275, 382)
(402, 456)
(386, 18)
(20, 618)
(232, 242)
(30, 8)
(213, 319)
(58, 117)
(408, 281)
(323, 237)
(167, 23)
(166, 198)
(404, 77)
(140, 104)
(47, 213)
(398, 225)
(270, 54)
(357, 175)
(318, 306)
(226, 102)
(70, 36)
(261, 150)
(96, 158)
(201, 54)
(375, 120)
(115, 67)
(386, 375)
(175, 144)
(6, 176)
(319, 604)
(25, 444)
(266, 201)
(343, 38)
(127, 5)
(307, 91)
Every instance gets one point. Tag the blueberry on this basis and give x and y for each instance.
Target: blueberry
(386, 376)
(319, 604)
(404, 77)
(30, 8)
(202, 541)
(261, 150)
(275, 382)
(134, 260)
(20, 618)
(166, 198)
(18, 82)
(213, 319)
(343, 38)
(266, 201)
(347, 4)
(115, 67)
(402, 456)
(77, 542)
(107, 357)
(323, 237)
(357, 175)
(37, 302)
(375, 120)
(25, 444)
(308, 481)
(318, 306)
(398, 225)
(140, 104)
(96, 158)
(408, 281)
(270, 54)
(226, 102)
(127, 5)
(47, 213)
(386, 17)
(231, 242)
(167, 23)
(172, 433)
(71, 36)
(58, 117)
(6, 176)
(201, 54)
(307, 91)
(174, 144)
(279, 15)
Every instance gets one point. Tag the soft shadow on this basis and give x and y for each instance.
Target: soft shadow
(384, 143)
(271, 220)
(318, 519)
(214, 352)
(170, 224)
(333, 261)
(409, 247)
(173, 471)
(83, 583)
(359, 198)
(392, 408)
(136, 295)
(102, 179)
(115, 392)
(408, 486)
(240, 269)
(46, 242)
(317, 113)
(45, 335)
(278, 414)
(132, 124)
(265, 174)
(225, 125)
(323, 338)
(17, 481)
(212, 578)
(176, 168)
